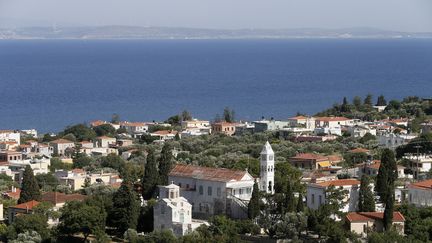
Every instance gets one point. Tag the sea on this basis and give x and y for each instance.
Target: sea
(50, 84)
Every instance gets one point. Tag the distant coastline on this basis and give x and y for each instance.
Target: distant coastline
(166, 33)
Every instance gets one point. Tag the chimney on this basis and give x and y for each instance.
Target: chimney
(13, 189)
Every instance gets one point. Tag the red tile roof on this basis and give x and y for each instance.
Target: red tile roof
(58, 197)
(27, 205)
(297, 118)
(61, 140)
(97, 123)
(15, 195)
(425, 185)
(329, 119)
(207, 173)
(372, 216)
(309, 156)
(343, 182)
(165, 132)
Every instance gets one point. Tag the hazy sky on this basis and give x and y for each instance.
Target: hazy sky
(404, 15)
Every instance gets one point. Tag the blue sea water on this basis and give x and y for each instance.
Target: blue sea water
(49, 84)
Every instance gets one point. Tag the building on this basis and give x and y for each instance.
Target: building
(222, 191)
(302, 121)
(196, 126)
(173, 212)
(363, 223)
(420, 193)
(392, 140)
(104, 142)
(61, 145)
(58, 199)
(360, 131)
(136, 129)
(426, 127)
(227, 128)
(164, 135)
(23, 208)
(332, 122)
(310, 161)
(10, 136)
(419, 164)
(270, 125)
(316, 193)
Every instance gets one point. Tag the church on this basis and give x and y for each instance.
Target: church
(214, 191)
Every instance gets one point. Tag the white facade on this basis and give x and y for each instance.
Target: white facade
(173, 212)
(420, 193)
(334, 130)
(10, 136)
(316, 193)
(267, 169)
(392, 140)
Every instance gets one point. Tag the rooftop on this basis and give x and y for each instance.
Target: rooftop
(310, 156)
(331, 118)
(27, 205)
(58, 197)
(425, 185)
(342, 182)
(207, 173)
(61, 140)
(371, 216)
(359, 150)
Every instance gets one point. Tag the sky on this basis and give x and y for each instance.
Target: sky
(399, 15)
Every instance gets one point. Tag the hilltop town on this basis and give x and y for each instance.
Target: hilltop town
(359, 171)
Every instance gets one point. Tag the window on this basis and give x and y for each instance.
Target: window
(240, 191)
(218, 191)
(201, 190)
(248, 190)
(209, 191)
(200, 207)
(271, 157)
(187, 186)
(180, 185)
(263, 157)
(171, 194)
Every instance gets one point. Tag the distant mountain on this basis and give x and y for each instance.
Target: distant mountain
(135, 32)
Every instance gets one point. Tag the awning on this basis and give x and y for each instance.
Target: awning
(324, 164)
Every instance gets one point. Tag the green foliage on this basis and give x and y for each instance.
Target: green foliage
(28, 237)
(126, 208)
(166, 162)
(79, 217)
(385, 237)
(81, 132)
(387, 174)
(29, 222)
(29, 189)
(300, 203)
(255, 202)
(287, 178)
(147, 139)
(367, 138)
(81, 160)
(334, 200)
(352, 159)
(57, 164)
(145, 220)
(290, 226)
(228, 115)
(424, 141)
(366, 202)
(47, 182)
(105, 130)
(164, 236)
(155, 128)
(381, 101)
(151, 176)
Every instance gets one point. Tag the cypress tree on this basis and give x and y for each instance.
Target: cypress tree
(165, 164)
(300, 204)
(254, 203)
(289, 198)
(126, 208)
(387, 174)
(151, 177)
(29, 189)
(366, 198)
(389, 208)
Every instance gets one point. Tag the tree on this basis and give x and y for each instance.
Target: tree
(29, 222)
(345, 107)
(300, 203)
(368, 100)
(254, 203)
(104, 130)
(79, 217)
(81, 132)
(126, 208)
(381, 101)
(81, 160)
(228, 115)
(115, 118)
(151, 178)
(30, 189)
(186, 116)
(357, 102)
(165, 164)
(389, 208)
(47, 182)
(387, 174)
(366, 202)
(28, 237)
(290, 203)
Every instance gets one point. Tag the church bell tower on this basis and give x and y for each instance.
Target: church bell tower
(267, 169)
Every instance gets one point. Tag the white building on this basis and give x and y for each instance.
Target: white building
(173, 212)
(302, 121)
(334, 130)
(360, 131)
(136, 129)
(392, 140)
(61, 145)
(222, 191)
(267, 169)
(10, 136)
(420, 193)
(270, 125)
(316, 193)
(332, 122)
(419, 164)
